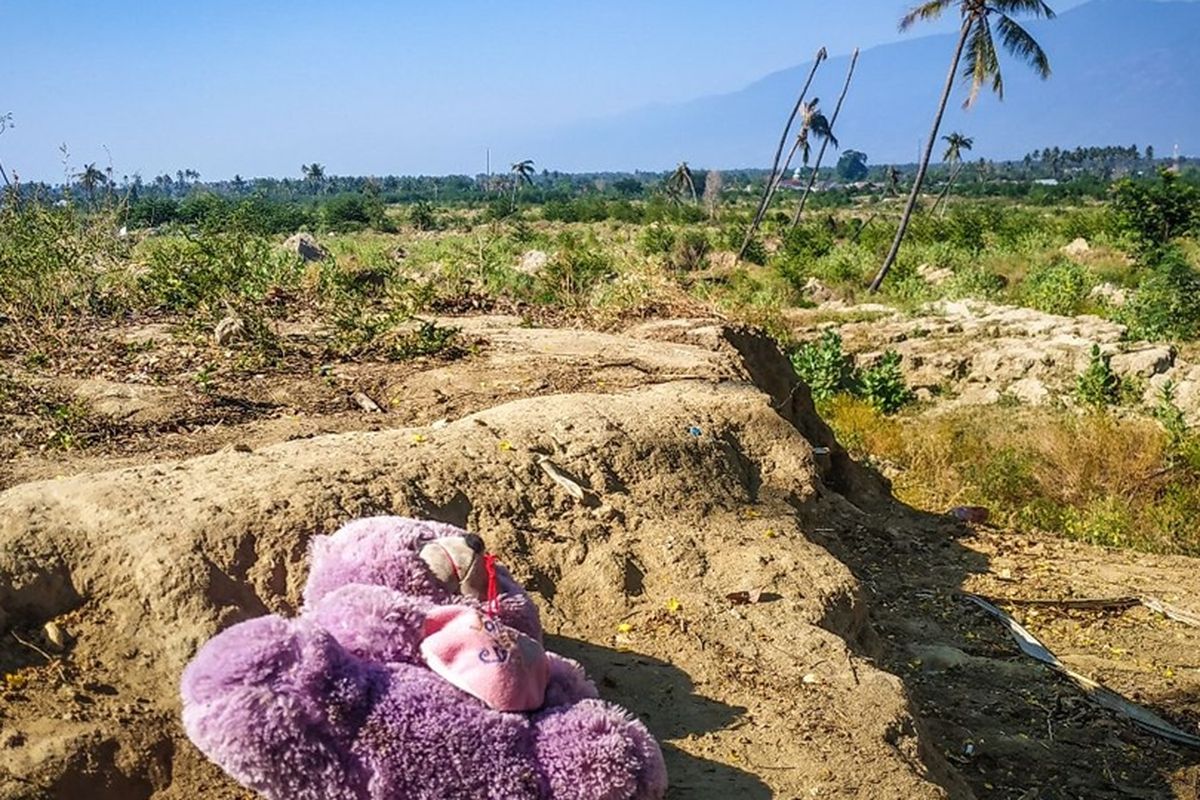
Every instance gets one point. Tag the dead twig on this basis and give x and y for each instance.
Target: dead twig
(49, 659)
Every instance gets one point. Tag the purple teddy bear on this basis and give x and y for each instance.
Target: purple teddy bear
(338, 702)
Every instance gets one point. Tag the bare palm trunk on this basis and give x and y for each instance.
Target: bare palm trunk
(924, 166)
(812, 179)
(772, 179)
(943, 199)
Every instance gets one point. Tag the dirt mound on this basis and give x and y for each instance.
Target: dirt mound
(727, 576)
(693, 484)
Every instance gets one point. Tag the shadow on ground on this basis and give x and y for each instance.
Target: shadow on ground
(664, 698)
(1008, 726)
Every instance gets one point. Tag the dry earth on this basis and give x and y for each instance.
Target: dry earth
(859, 673)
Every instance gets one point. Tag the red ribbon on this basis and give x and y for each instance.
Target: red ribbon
(493, 590)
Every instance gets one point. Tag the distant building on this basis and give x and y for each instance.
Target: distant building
(1046, 181)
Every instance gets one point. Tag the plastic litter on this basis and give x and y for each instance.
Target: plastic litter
(976, 515)
(550, 468)
(1106, 698)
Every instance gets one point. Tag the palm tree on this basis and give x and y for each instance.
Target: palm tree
(314, 174)
(682, 179)
(956, 143)
(812, 123)
(837, 110)
(893, 180)
(773, 178)
(522, 173)
(90, 179)
(6, 122)
(977, 46)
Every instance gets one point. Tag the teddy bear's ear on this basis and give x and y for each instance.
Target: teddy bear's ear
(456, 561)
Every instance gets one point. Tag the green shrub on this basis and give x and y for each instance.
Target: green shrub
(423, 216)
(1166, 304)
(690, 251)
(1098, 386)
(1154, 213)
(656, 239)
(883, 386)
(573, 271)
(347, 212)
(1057, 287)
(823, 366)
(186, 273)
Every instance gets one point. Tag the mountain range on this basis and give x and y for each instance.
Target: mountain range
(1124, 72)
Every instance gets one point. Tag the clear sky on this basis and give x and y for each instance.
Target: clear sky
(258, 87)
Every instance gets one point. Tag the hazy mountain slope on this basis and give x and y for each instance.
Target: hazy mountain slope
(1125, 72)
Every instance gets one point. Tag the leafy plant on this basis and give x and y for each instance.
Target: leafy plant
(1098, 386)
(1057, 287)
(690, 251)
(1166, 305)
(883, 386)
(823, 366)
(1155, 213)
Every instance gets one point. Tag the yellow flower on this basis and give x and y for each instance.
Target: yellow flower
(624, 627)
(418, 438)
(673, 605)
(505, 445)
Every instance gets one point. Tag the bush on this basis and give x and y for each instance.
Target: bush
(882, 385)
(55, 260)
(423, 217)
(190, 272)
(1166, 305)
(655, 239)
(823, 366)
(1155, 213)
(1098, 386)
(347, 212)
(573, 271)
(1057, 287)
(690, 251)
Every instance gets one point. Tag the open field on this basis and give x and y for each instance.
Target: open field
(189, 401)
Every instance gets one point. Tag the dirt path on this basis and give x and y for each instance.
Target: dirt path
(860, 673)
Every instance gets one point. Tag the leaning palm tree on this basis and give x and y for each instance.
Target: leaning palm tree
(812, 123)
(956, 143)
(682, 179)
(522, 173)
(90, 179)
(982, 65)
(837, 110)
(775, 176)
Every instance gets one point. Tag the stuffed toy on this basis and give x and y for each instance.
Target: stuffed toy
(415, 669)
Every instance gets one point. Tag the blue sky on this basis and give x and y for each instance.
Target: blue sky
(374, 87)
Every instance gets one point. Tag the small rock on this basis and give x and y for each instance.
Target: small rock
(366, 403)
(533, 262)
(305, 246)
(1077, 248)
(228, 330)
(1108, 293)
(1145, 362)
(1029, 391)
(818, 292)
(934, 276)
(56, 636)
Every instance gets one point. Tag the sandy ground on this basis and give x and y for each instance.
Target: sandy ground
(860, 672)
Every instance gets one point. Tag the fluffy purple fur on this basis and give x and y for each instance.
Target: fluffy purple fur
(338, 704)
